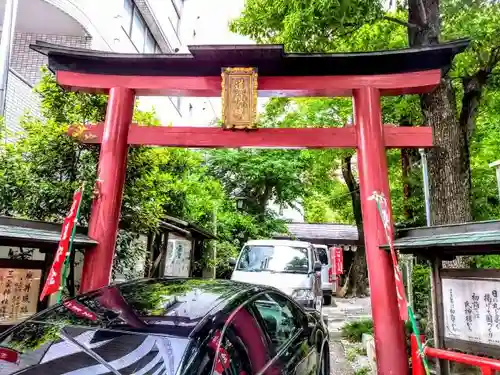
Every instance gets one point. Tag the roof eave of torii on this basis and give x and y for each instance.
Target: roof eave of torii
(198, 74)
(270, 60)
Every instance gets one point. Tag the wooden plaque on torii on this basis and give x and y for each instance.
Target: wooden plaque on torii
(239, 98)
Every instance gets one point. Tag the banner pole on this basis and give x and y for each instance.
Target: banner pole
(67, 260)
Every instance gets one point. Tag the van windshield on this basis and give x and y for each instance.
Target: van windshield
(286, 259)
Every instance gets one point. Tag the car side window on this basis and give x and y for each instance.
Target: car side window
(232, 358)
(322, 256)
(220, 355)
(240, 347)
(315, 251)
(281, 319)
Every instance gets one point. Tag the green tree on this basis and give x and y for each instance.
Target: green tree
(260, 176)
(40, 171)
(43, 167)
(322, 179)
(451, 109)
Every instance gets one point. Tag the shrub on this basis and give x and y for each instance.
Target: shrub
(363, 371)
(353, 331)
(421, 290)
(486, 261)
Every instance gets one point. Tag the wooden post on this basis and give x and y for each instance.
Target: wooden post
(442, 366)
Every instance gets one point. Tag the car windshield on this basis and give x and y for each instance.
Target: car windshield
(286, 259)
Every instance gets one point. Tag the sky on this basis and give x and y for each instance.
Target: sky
(210, 19)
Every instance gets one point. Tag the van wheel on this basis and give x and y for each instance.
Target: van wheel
(327, 300)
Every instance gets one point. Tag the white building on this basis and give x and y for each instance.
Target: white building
(127, 26)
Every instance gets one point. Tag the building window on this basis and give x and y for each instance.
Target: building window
(149, 46)
(174, 13)
(178, 4)
(128, 8)
(137, 30)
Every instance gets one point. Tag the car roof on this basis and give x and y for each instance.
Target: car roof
(148, 323)
(168, 306)
(279, 243)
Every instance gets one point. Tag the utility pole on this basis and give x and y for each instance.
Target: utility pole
(215, 241)
(427, 195)
(8, 28)
(496, 165)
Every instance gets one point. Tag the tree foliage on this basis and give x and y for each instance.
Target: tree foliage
(474, 89)
(304, 26)
(40, 171)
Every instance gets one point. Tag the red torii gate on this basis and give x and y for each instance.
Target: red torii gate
(364, 76)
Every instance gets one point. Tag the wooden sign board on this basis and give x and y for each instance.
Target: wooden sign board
(471, 310)
(19, 291)
(239, 98)
(178, 258)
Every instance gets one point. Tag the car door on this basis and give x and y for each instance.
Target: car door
(325, 266)
(241, 346)
(316, 281)
(285, 326)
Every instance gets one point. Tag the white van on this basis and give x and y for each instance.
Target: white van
(290, 266)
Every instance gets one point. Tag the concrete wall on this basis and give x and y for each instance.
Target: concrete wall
(20, 100)
(25, 73)
(27, 62)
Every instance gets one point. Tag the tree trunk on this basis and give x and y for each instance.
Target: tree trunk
(448, 160)
(359, 273)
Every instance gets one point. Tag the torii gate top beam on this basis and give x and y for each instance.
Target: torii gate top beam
(394, 72)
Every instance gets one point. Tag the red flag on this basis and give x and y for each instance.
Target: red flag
(9, 355)
(53, 282)
(339, 260)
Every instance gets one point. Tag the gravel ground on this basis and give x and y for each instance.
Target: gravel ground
(345, 310)
(338, 362)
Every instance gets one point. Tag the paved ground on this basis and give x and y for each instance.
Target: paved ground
(345, 310)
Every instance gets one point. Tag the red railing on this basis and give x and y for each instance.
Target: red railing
(488, 366)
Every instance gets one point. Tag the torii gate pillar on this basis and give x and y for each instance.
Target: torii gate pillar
(373, 176)
(103, 226)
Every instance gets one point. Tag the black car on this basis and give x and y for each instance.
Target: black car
(170, 326)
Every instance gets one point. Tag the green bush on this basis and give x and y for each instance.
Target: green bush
(362, 371)
(486, 261)
(421, 290)
(353, 331)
